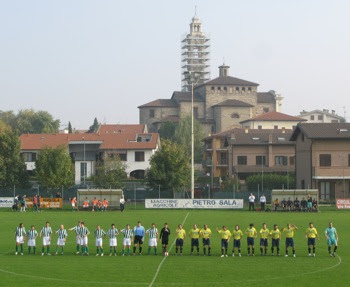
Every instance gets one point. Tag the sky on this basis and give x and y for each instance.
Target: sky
(80, 59)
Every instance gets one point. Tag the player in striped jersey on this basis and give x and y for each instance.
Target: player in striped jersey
(128, 235)
(112, 234)
(84, 233)
(77, 233)
(152, 242)
(99, 234)
(32, 235)
(20, 233)
(62, 236)
(46, 233)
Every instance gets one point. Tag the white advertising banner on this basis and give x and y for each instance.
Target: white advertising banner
(6, 201)
(195, 203)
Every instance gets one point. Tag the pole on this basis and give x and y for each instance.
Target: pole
(85, 167)
(234, 191)
(262, 174)
(159, 191)
(14, 192)
(135, 195)
(287, 176)
(258, 191)
(343, 177)
(62, 196)
(192, 149)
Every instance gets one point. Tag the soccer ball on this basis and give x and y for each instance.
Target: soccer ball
(166, 254)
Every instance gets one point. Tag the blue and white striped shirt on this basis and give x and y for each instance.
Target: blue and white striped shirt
(20, 231)
(152, 232)
(113, 232)
(99, 233)
(32, 234)
(46, 231)
(128, 233)
(62, 233)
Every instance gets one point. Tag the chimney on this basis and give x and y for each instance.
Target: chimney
(270, 138)
(224, 70)
(333, 112)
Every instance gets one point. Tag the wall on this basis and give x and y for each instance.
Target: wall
(303, 170)
(159, 113)
(223, 119)
(90, 170)
(137, 165)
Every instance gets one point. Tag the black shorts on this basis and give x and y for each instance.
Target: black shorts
(138, 239)
(275, 242)
(236, 243)
(250, 241)
(263, 242)
(206, 241)
(224, 243)
(194, 242)
(311, 241)
(165, 241)
(179, 242)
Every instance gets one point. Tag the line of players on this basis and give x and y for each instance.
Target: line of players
(138, 233)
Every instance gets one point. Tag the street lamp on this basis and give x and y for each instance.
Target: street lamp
(84, 164)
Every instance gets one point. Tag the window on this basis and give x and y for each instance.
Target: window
(219, 88)
(139, 156)
(292, 160)
(225, 89)
(259, 127)
(195, 112)
(213, 88)
(260, 160)
(249, 88)
(334, 121)
(122, 156)
(243, 88)
(281, 160)
(302, 137)
(348, 159)
(235, 116)
(303, 184)
(237, 88)
(242, 160)
(320, 117)
(151, 113)
(83, 170)
(266, 110)
(275, 127)
(312, 117)
(325, 160)
(29, 156)
(325, 191)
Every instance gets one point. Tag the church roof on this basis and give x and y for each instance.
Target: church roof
(160, 103)
(186, 97)
(266, 97)
(228, 80)
(232, 103)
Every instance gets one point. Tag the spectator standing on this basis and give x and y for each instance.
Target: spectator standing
(122, 204)
(251, 202)
(262, 202)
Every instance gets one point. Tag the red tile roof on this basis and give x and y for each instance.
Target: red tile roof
(274, 116)
(109, 141)
(121, 129)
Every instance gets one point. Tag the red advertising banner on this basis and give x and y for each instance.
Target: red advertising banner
(46, 202)
(343, 203)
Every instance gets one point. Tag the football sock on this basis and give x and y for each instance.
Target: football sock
(101, 250)
(140, 249)
(62, 248)
(226, 251)
(222, 251)
(309, 249)
(43, 250)
(261, 250)
(78, 247)
(239, 250)
(86, 249)
(209, 250)
(272, 249)
(110, 249)
(16, 248)
(335, 248)
(265, 250)
(29, 248)
(56, 249)
(253, 249)
(197, 249)
(286, 251)
(293, 251)
(155, 251)
(180, 250)
(248, 251)
(149, 250)
(21, 248)
(176, 250)
(191, 249)
(134, 249)
(313, 249)
(329, 249)
(115, 250)
(34, 249)
(278, 250)
(128, 250)
(48, 248)
(204, 250)
(123, 251)
(97, 250)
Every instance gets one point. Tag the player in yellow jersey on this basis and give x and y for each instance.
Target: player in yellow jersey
(237, 236)
(311, 235)
(194, 234)
(289, 233)
(264, 239)
(251, 235)
(180, 238)
(225, 238)
(276, 235)
(205, 233)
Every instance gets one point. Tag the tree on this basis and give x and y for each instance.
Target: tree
(183, 137)
(54, 167)
(12, 166)
(110, 173)
(167, 130)
(70, 129)
(271, 181)
(94, 127)
(30, 121)
(169, 167)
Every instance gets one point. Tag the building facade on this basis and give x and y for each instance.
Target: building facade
(324, 116)
(219, 104)
(323, 159)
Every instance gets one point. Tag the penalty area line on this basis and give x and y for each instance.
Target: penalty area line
(163, 260)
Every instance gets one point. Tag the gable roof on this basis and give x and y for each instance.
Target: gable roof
(232, 103)
(274, 116)
(322, 130)
(160, 103)
(106, 141)
(304, 113)
(173, 119)
(261, 137)
(266, 98)
(186, 97)
(228, 80)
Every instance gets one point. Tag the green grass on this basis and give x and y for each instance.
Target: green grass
(73, 270)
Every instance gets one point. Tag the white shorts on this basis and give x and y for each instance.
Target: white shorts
(78, 239)
(19, 239)
(83, 240)
(113, 242)
(127, 241)
(31, 242)
(152, 242)
(46, 240)
(99, 242)
(61, 242)
(73, 204)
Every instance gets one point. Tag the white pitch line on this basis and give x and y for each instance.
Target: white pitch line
(165, 257)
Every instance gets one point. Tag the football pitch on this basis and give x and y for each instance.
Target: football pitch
(150, 270)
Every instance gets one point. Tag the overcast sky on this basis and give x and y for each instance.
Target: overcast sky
(81, 59)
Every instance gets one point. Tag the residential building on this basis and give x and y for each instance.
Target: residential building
(239, 153)
(219, 104)
(324, 116)
(323, 158)
(272, 120)
(131, 144)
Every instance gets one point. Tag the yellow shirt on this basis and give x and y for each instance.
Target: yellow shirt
(275, 234)
(289, 232)
(251, 232)
(205, 233)
(237, 234)
(311, 232)
(194, 233)
(180, 233)
(264, 233)
(225, 234)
